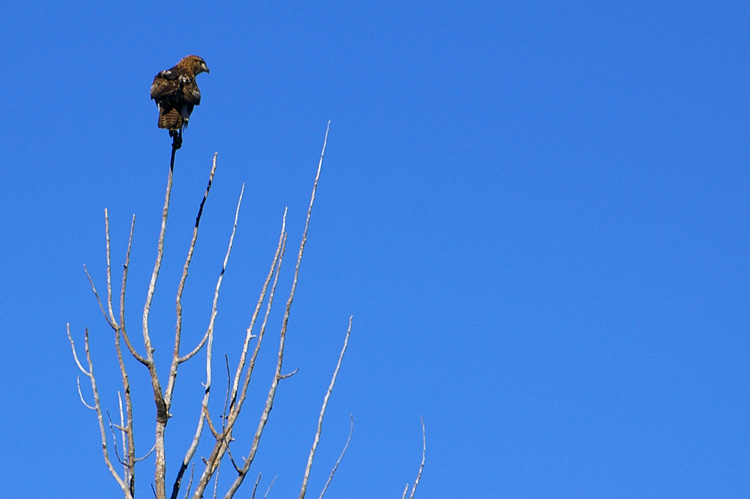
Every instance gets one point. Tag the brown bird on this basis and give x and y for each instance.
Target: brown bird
(176, 93)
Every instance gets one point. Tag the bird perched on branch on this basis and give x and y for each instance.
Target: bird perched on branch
(176, 93)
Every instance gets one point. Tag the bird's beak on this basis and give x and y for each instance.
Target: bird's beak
(205, 68)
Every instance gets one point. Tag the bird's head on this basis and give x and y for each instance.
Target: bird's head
(197, 64)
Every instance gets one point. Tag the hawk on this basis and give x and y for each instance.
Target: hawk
(176, 93)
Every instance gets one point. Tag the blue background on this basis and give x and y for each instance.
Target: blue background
(535, 211)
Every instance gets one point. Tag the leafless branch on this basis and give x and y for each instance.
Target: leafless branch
(217, 435)
(157, 268)
(216, 481)
(162, 410)
(282, 341)
(109, 270)
(285, 376)
(234, 412)
(338, 461)
(265, 496)
(122, 429)
(78, 382)
(114, 438)
(236, 405)
(125, 268)
(97, 408)
(256, 486)
(219, 446)
(181, 286)
(190, 483)
(278, 257)
(231, 458)
(203, 482)
(98, 300)
(139, 459)
(210, 328)
(421, 466)
(75, 354)
(327, 397)
(208, 337)
(226, 395)
(127, 424)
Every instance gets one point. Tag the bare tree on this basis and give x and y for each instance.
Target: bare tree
(221, 428)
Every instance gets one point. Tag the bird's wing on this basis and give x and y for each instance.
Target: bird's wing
(190, 91)
(165, 83)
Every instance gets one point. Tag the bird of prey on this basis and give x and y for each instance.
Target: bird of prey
(176, 93)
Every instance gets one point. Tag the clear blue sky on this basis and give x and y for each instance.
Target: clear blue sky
(537, 213)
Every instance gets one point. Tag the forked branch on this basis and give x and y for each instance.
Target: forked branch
(282, 342)
(316, 440)
(98, 408)
(421, 466)
(338, 461)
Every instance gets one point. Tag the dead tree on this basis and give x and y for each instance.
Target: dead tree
(221, 429)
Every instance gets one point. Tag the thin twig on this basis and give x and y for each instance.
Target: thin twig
(236, 405)
(114, 438)
(210, 328)
(226, 396)
(157, 264)
(338, 461)
(139, 459)
(98, 300)
(289, 375)
(125, 268)
(75, 354)
(99, 415)
(421, 466)
(216, 482)
(327, 397)
(282, 340)
(255, 488)
(231, 459)
(123, 430)
(78, 382)
(213, 430)
(109, 270)
(181, 287)
(129, 448)
(265, 496)
(277, 258)
(190, 483)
